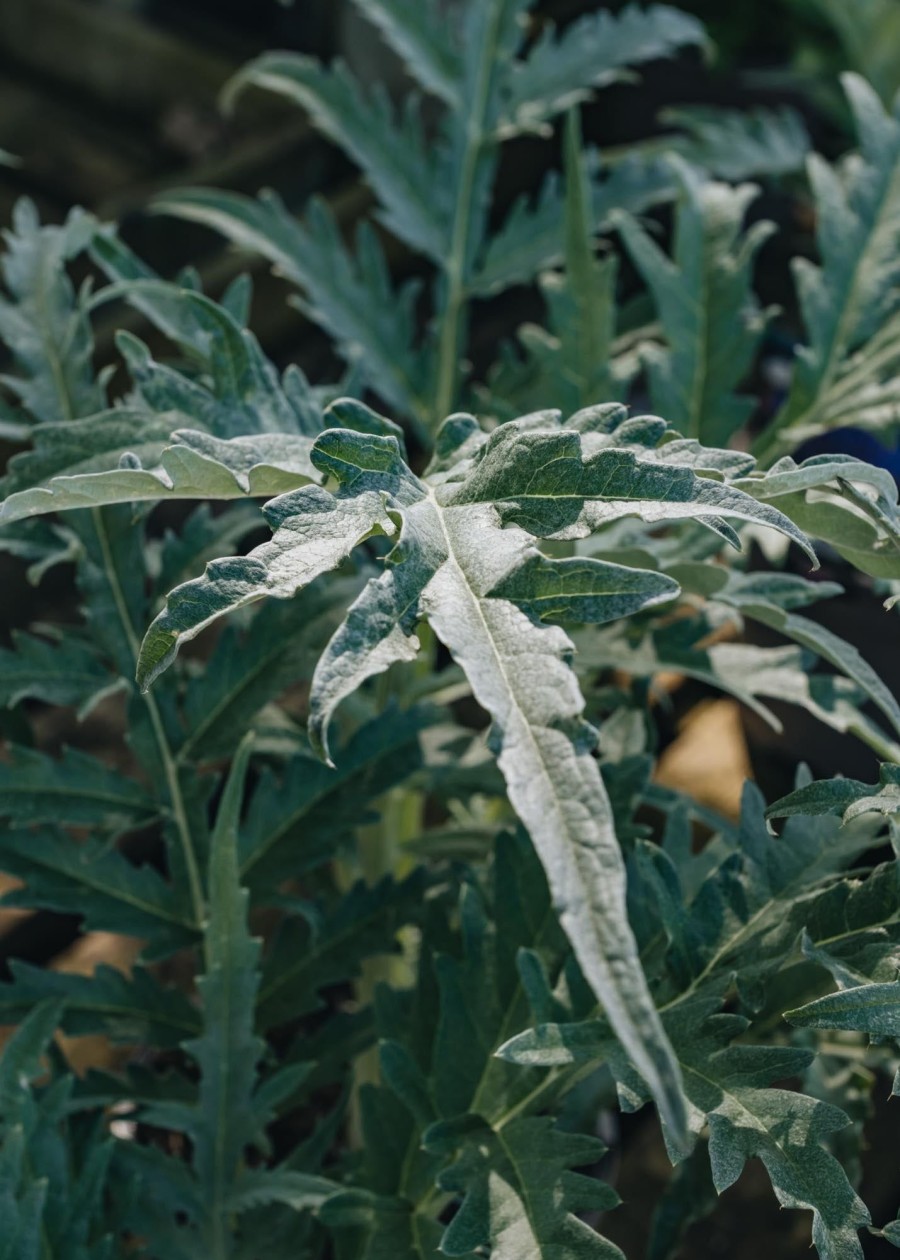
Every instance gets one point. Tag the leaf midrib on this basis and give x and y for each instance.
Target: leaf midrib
(759, 1125)
(110, 890)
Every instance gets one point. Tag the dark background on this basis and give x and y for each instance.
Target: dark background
(108, 102)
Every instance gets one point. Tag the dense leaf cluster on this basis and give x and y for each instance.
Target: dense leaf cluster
(408, 908)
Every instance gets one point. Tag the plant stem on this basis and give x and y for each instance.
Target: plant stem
(179, 812)
(770, 445)
(456, 271)
(166, 756)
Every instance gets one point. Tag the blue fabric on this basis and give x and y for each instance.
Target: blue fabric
(856, 442)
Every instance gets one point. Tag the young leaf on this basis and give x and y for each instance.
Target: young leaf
(43, 323)
(228, 1115)
(592, 51)
(87, 445)
(847, 374)
(392, 154)
(481, 598)
(193, 466)
(427, 40)
(314, 532)
(709, 314)
(352, 297)
(849, 504)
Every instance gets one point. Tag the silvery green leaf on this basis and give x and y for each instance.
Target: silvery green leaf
(728, 1086)
(711, 320)
(869, 1008)
(520, 1193)
(463, 563)
(314, 532)
(847, 373)
(350, 295)
(192, 466)
(44, 323)
(542, 482)
(847, 798)
(391, 151)
(562, 69)
(425, 36)
(92, 444)
(837, 651)
(738, 144)
(843, 501)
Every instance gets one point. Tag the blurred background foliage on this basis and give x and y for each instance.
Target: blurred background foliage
(106, 103)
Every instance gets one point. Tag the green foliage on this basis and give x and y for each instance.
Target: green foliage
(434, 193)
(706, 307)
(52, 1176)
(847, 374)
(735, 144)
(405, 901)
(742, 925)
(870, 36)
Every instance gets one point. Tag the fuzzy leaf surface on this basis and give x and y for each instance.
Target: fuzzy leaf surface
(44, 324)
(847, 372)
(728, 1087)
(391, 152)
(710, 317)
(349, 294)
(464, 563)
(520, 1191)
